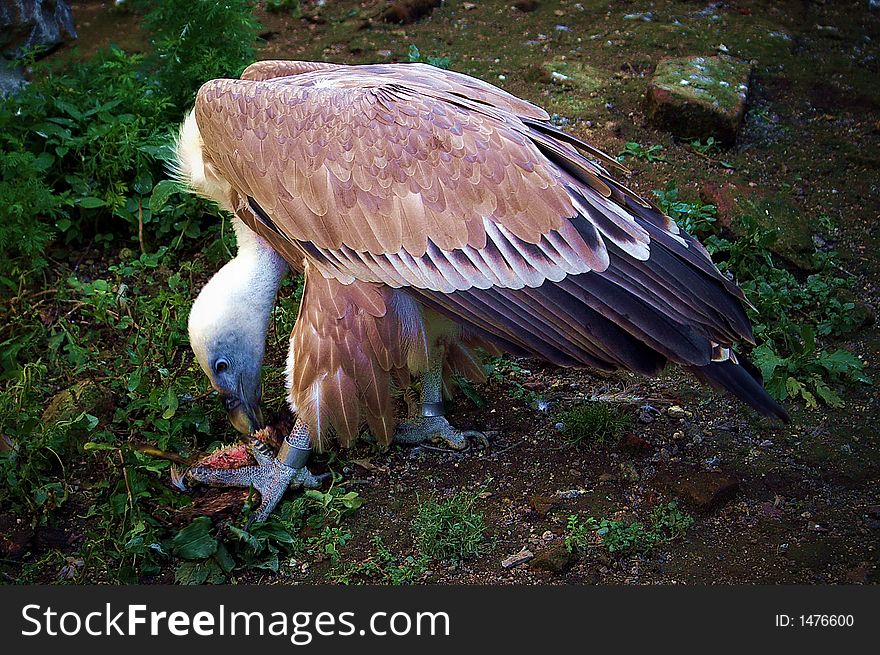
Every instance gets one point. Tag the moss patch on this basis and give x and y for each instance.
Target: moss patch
(699, 97)
(576, 89)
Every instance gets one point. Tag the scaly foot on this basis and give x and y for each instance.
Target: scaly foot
(437, 429)
(270, 477)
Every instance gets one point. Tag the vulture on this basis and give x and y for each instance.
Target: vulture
(431, 214)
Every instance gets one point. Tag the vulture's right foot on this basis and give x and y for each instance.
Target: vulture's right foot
(256, 465)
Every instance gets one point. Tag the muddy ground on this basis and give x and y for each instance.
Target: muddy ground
(795, 504)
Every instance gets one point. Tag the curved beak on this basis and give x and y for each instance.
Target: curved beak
(243, 411)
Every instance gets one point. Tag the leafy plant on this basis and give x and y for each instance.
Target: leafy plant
(636, 150)
(211, 555)
(788, 315)
(415, 55)
(199, 40)
(695, 217)
(666, 524)
(504, 370)
(385, 567)
(806, 371)
(708, 148)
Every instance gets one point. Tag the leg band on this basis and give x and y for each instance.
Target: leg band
(296, 447)
(433, 409)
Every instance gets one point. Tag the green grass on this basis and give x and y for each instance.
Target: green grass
(594, 423)
(450, 530)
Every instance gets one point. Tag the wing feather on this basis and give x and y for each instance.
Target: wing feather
(467, 198)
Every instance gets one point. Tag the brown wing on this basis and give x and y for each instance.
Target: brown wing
(352, 343)
(271, 68)
(376, 168)
(446, 187)
(348, 346)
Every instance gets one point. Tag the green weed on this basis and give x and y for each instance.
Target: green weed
(450, 529)
(709, 148)
(385, 567)
(788, 313)
(593, 423)
(695, 217)
(665, 524)
(95, 366)
(414, 55)
(635, 150)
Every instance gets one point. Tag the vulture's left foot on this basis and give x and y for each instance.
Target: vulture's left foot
(437, 429)
(271, 476)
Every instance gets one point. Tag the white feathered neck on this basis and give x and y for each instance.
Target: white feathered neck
(240, 296)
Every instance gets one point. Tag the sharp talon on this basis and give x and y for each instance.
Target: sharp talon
(437, 429)
(178, 478)
(476, 436)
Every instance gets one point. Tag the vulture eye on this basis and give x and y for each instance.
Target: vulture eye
(220, 365)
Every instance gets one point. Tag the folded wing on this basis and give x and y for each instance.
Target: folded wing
(469, 199)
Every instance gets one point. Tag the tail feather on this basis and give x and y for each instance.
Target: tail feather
(744, 382)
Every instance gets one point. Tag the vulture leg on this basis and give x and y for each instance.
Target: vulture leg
(271, 476)
(431, 425)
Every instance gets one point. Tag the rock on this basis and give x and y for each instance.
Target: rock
(860, 574)
(27, 24)
(701, 490)
(11, 79)
(409, 11)
(635, 445)
(645, 16)
(67, 405)
(678, 412)
(731, 201)
(699, 97)
(543, 504)
(556, 559)
(526, 6)
(512, 561)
